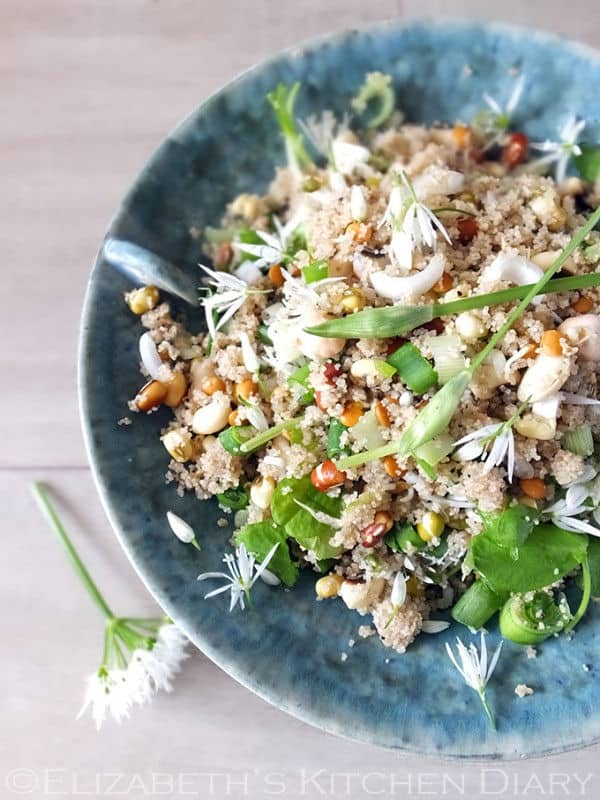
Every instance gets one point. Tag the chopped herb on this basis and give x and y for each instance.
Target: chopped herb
(234, 437)
(588, 163)
(477, 605)
(234, 498)
(315, 271)
(579, 440)
(404, 538)
(334, 435)
(301, 376)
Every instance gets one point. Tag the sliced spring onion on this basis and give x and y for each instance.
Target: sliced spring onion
(377, 91)
(234, 498)
(315, 271)
(404, 538)
(414, 369)
(448, 357)
(434, 451)
(381, 323)
(588, 163)
(300, 376)
(233, 438)
(579, 441)
(529, 621)
(335, 447)
(477, 605)
(367, 431)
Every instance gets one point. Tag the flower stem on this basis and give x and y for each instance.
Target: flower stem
(487, 709)
(262, 438)
(48, 511)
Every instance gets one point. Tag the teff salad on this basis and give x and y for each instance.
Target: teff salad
(398, 388)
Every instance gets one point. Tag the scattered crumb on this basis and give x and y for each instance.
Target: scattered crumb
(387, 661)
(344, 656)
(364, 631)
(522, 690)
(222, 522)
(125, 421)
(586, 667)
(351, 642)
(467, 70)
(531, 652)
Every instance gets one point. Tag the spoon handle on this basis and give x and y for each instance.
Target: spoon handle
(145, 268)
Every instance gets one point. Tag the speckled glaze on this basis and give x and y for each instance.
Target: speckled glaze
(288, 648)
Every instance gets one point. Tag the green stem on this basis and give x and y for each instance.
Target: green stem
(48, 511)
(262, 438)
(587, 594)
(487, 709)
(514, 293)
(576, 240)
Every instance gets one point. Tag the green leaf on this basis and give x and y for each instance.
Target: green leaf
(509, 528)
(300, 376)
(249, 236)
(334, 434)
(547, 554)
(404, 538)
(234, 498)
(588, 163)
(315, 271)
(300, 524)
(259, 538)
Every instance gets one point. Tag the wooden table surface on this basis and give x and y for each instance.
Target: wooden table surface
(88, 89)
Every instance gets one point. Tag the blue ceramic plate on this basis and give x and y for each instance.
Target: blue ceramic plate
(288, 648)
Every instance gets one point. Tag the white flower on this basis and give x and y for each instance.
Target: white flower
(120, 684)
(474, 668)
(181, 529)
(150, 357)
(496, 121)
(229, 296)
(504, 114)
(358, 203)
(243, 574)
(398, 596)
(251, 360)
(433, 626)
(413, 224)
(581, 498)
(108, 693)
(274, 249)
(326, 135)
(477, 444)
(560, 153)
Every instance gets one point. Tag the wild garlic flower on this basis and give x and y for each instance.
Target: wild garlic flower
(249, 356)
(474, 669)
(243, 574)
(275, 249)
(494, 444)
(140, 656)
(398, 595)
(184, 532)
(582, 498)
(328, 137)
(494, 122)
(228, 297)
(560, 153)
(413, 224)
